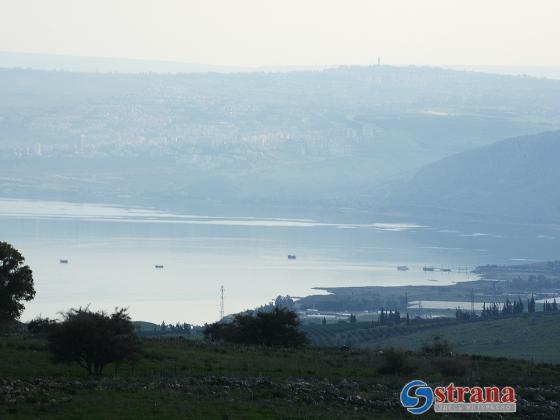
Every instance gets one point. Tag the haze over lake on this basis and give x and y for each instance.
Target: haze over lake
(112, 252)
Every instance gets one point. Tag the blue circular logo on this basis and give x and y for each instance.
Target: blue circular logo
(417, 397)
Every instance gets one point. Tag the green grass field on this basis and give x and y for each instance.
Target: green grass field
(177, 378)
(533, 337)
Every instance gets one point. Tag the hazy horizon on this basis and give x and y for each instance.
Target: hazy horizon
(80, 63)
(253, 33)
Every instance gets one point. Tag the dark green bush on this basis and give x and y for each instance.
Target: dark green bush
(93, 339)
(280, 327)
(40, 325)
(394, 362)
(450, 367)
(438, 347)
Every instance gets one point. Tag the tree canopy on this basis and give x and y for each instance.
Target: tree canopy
(93, 339)
(276, 328)
(16, 282)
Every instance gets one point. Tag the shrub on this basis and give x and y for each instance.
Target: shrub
(41, 325)
(450, 367)
(394, 361)
(93, 339)
(280, 327)
(438, 346)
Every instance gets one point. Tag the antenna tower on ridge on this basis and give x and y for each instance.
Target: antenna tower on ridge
(221, 302)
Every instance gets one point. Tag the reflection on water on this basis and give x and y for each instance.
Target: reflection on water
(112, 253)
(91, 213)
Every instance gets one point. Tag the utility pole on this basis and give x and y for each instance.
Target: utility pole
(221, 303)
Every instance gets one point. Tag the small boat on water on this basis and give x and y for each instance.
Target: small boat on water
(63, 261)
(159, 266)
(291, 257)
(402, 268)
(428, 268)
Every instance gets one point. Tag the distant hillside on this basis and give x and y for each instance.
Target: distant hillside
(282, 139)
(549, 72)
(88, 64)
(516, 178)
(145, 326)
(104, 64)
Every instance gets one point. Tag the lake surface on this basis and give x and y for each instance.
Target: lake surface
(112, 253)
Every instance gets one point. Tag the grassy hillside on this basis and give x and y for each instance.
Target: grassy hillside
(534, 337)
(356, 334)
(530, 336)
(176, 378)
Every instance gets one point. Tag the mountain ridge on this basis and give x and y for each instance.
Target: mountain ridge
(514, 178)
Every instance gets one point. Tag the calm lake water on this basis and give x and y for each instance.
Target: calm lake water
(112, 253)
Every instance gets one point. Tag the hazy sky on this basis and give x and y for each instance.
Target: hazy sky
(289, 32)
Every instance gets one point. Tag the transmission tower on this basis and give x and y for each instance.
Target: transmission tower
(221, 303)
